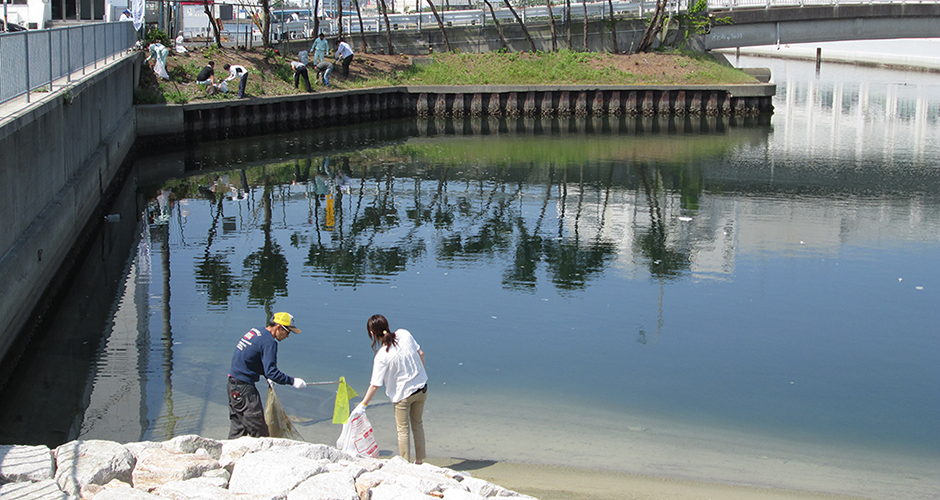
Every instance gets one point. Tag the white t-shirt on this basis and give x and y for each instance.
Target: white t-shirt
(400, 368)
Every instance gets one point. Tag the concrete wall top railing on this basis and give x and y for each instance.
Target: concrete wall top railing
(51, 58)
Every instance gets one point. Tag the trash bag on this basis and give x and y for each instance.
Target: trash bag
(357, 438)
(276, 418)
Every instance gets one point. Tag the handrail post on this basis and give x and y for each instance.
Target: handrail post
(51, 74)
(26, 48)
(68, 51)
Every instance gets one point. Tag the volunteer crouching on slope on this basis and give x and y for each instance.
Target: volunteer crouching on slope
(399, 365)
(256, 355)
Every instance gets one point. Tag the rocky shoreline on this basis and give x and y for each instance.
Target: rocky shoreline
(195, 468)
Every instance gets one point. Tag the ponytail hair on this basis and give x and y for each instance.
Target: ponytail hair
(380, 333)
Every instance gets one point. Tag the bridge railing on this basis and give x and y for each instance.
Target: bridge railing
(40, 60)
(766, 4)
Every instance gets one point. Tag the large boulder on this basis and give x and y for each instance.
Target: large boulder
(46, 489)
(158, 466)
(271, 472)
(392, 491)
(91, 462)
(126, 493)
(26, 463)
(426, 480)
(234, 450)
(337, 485)
(192, 443)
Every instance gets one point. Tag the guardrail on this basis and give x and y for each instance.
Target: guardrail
(767, 4)
(41, 60)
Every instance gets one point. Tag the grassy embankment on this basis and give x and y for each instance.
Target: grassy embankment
(271, 76)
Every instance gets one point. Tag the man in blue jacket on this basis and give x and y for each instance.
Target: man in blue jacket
(256, 356)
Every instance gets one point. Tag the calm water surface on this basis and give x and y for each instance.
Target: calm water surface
(714, 299)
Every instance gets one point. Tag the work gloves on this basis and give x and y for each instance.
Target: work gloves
(360, 408)
(299, 383)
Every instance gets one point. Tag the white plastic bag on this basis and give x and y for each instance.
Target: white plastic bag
(357, 438)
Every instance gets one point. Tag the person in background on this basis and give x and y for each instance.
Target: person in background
(300, 71)
(399, 365)
(344, 52)
(256, 356)
(325, 68)
(206, 75)
(180, 48)
(158, 54)
(319, 48)
(126, 16)
(237, 71)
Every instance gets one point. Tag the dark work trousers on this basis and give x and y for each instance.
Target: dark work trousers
(245, 411)
(346, 61)
(241, 91)
(302, 73)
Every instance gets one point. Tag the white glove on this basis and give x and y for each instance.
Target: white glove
(270, 384)
(360, 408)
(299, 383)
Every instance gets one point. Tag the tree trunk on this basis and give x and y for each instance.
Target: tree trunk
(568, 21)
(613, 26)
(266, 23)
(524, 30)
(388, 28)
(339, 17)
(499, 27)
(215, 25)
(584, 5)
(653, 28)
(551, 19)
(316, 18)
(362, 35)
(440, 24)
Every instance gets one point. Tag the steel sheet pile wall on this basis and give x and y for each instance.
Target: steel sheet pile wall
(261, 116)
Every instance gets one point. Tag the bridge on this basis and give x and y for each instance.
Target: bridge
(752, 22)
(771, 22)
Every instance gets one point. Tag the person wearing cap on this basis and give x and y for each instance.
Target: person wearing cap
(399, 366)
(256, 356)
(126, 16)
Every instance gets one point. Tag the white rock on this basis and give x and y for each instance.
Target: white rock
(90, 490)
(91, 462)
(397, 492)
(461, 495)
(485, 489)
(415, 477)
(327, 486)
(271, 472)
(351, 468)
(26, 463)
(137, 447)
(158, 466)
(235, 449)
(192, 443)
(126, 494)
(46, 489)
(194, 489)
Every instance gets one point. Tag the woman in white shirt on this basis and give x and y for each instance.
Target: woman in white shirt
(399, 366)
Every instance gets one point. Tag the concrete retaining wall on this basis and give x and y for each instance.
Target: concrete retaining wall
(221, 120)
(58, 156)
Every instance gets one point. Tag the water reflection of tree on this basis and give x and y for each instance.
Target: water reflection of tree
(664, 260)
(213, 272)
(267, 266)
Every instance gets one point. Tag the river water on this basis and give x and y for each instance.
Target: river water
(745, 301)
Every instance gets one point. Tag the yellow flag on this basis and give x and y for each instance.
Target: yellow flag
(341, 409)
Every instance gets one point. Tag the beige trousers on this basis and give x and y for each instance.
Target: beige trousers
(408, 415)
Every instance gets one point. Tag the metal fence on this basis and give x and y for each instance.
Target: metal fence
(41, 60)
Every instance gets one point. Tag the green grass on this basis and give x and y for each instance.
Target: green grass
(562, 67)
